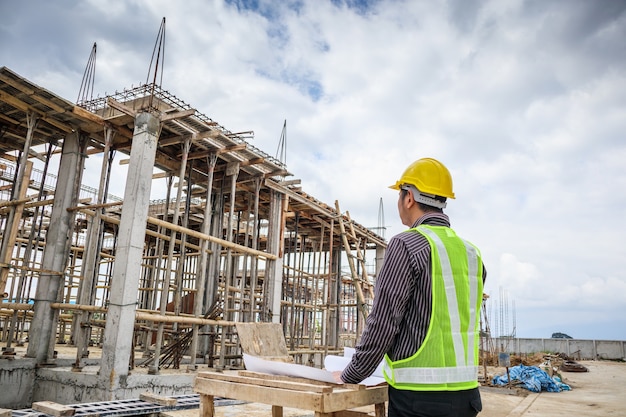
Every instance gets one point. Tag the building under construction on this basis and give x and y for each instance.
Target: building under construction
(161, 284)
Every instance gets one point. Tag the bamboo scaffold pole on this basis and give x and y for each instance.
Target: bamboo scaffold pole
(222, 242)
(30, 250)
(360, 256)
(139, 315)
(355, 278)
(190, 232)
(13, 221)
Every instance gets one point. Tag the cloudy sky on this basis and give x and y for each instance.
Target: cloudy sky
(524, 101)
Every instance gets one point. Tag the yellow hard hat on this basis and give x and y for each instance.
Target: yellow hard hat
(429, 176)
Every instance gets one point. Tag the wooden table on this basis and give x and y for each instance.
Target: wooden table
(325, 399)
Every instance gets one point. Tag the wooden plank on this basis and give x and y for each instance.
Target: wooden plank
(157, 399)
(111, 102)
(345, 400)
(303, 380)
(285, 378)
(259, 394)
(298, 386)
(177, 115)
(263, 340)
(350, 413)
(55, 409)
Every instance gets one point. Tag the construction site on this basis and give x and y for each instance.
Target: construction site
(106, 297)
(160, 283)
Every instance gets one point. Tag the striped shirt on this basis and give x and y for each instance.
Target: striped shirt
(400, 316)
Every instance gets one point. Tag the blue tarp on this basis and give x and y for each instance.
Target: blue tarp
(533, 379)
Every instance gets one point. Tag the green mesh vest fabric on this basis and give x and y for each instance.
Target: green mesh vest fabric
(447, 360)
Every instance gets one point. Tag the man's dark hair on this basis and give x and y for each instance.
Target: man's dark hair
(426, 208)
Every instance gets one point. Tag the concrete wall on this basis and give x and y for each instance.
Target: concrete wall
(65, 387)
(22, 383)
(17, 378)
(574, 348)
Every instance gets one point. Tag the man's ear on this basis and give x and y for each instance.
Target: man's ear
(409, 200)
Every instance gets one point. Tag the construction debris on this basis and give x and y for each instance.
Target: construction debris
(54, 409)
(531, 378)
(573, 366)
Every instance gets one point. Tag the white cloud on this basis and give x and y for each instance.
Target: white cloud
(524, 101)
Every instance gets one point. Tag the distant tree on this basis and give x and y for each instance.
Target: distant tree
(560, 335)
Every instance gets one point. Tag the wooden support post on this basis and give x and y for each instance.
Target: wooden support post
(360, 299)
(360, 255)
(158, 399)
(10, 234)
(207, 407)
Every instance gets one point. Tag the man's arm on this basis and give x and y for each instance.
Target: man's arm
(393, 289)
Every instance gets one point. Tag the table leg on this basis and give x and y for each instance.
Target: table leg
(207, 407)
(277, 411)
(379, 410)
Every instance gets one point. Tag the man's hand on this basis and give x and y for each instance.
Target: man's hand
(337, 377)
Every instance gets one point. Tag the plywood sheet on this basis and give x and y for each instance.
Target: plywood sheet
(264, 340)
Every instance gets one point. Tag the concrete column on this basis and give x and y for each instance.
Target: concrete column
(91, 257)
(255, 242)
(118, 334)
(232, 170)
(274, 268)
(201, 271)
(56, 252)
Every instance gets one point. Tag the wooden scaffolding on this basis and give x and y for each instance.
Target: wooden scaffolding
(231, 240)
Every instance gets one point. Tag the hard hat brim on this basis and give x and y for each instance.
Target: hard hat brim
(396, 186)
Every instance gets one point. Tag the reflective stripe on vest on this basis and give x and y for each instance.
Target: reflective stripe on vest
(464, 374)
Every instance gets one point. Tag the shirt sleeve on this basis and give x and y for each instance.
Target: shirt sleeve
(392, 291)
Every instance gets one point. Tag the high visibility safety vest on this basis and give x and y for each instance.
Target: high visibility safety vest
(447, 360)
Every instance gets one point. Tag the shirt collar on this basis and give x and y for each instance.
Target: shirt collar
(433, 219)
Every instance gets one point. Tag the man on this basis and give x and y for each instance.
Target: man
(425, 317)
